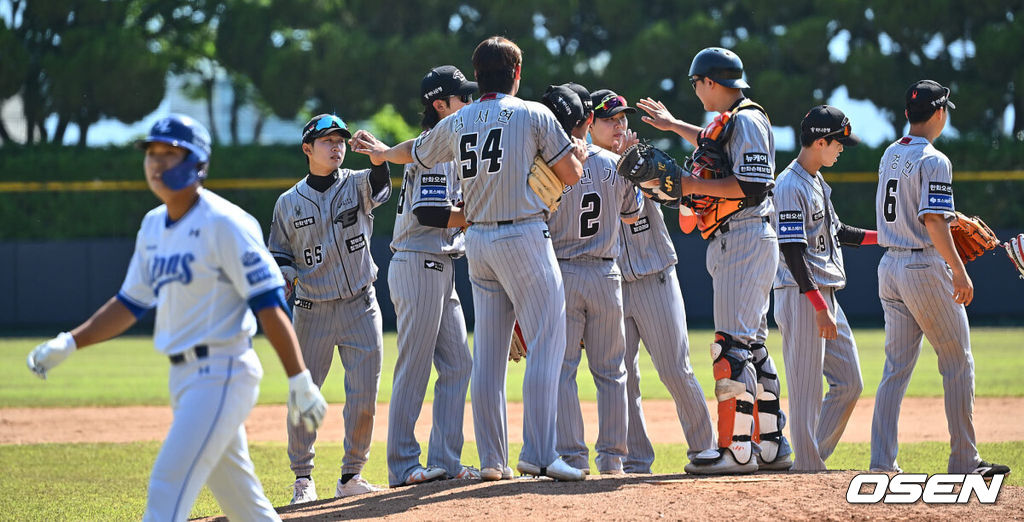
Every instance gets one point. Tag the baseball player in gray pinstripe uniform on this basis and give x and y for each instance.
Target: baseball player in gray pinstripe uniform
(742, 257)
(816, 338)
(653, 310)
(431, 328)
(512, 264)
(585, 236)
(320, 237)
(923, 284)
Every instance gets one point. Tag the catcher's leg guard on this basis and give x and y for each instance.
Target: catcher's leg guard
(735, 402)
(769, 420)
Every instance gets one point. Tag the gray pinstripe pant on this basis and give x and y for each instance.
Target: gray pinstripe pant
(431, 328)
(515, 275)
(354, 326)
(816, 425)
(593, 311)
(916, 290)
(654, 311)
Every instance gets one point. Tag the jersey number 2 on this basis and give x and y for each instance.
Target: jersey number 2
(590, 206)
(491, 151)
(889, 203)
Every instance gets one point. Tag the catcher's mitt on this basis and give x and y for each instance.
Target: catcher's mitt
(1015, 249)
(545, 183)
(517, 348)
(653, 171)
(972, 237)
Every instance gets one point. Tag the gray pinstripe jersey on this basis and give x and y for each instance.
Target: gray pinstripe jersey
(327, 235)
(802, 201)
(583, 224)
(494, 141)
(422, 187)
(751, 150)
(646, 245)
(914, 179)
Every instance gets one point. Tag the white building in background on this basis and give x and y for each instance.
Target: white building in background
(113, 132)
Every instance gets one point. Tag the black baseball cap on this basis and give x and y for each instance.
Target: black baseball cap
(608, 104)
(926, 96)
(826, 121)
(565, 104)
(323, 124)
(444, 81)
(584, 94)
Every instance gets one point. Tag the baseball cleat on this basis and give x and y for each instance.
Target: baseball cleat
(421, 475)
(303, 491)
(610, 472)
(725, 464)
(989, 470)
(357, 485)
(505, 473)
(781, 463)
(558, 470)
(468, 473)
(885, 470)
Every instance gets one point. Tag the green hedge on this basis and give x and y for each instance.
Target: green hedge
(62, 215)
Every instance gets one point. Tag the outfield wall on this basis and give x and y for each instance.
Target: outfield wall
(57, 284)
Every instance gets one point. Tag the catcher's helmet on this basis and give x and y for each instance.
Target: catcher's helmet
(721, 65)
(182, 131)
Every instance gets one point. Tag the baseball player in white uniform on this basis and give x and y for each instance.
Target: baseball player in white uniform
(512, 264)
(200, 261)
(320, 237)
(431, 328)
(585, 236)
(923, 284)
(653, 311)
(742, 258)
(816, 338)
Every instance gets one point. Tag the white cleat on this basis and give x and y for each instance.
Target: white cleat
(557, 470)
(421, 475)
(303, 491)
(357, 485)
(724, 464)
(782, 463)
(469, 473)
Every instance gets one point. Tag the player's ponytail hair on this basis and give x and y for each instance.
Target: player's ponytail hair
(495, 61)
(430, 115)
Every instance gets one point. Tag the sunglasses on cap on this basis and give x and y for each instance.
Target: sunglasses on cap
(610, 102)
(328, 122)
(844, 131)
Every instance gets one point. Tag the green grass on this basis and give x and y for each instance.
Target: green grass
(108, 481)
(127, 371)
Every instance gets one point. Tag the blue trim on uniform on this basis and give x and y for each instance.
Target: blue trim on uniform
(135, 308)
(268, 299)
(206, 440)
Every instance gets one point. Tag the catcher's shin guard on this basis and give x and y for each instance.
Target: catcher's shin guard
(767, 423)
(735, 402)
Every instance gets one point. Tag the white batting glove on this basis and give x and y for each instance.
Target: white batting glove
(305, 402)
(44, 357)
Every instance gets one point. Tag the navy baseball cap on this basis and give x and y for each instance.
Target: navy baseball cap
(927, 96)
(826, 121)
(444, 81)
(608, 104)
(322, 125)
(565, 104)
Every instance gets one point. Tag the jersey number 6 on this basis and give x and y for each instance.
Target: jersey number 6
(491, 151)
(889, 203)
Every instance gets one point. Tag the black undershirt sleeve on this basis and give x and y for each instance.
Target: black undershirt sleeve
(380, 177)
(436, 217)
(282, 261)
(851, 236)
(793, 253)
(752, 188)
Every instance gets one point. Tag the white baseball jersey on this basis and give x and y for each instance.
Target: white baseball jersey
(582, 226)
(751, 150)
(914, 179)
(646, 247)
(320, 232)
(805, 215)
(199, 272)
(493, 164)
(422, 187)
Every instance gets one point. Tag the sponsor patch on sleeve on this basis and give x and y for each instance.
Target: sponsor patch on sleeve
(791, 224)
(433, 193)
(251, 258)
(256, 276)
(755, 163)
(940, 195)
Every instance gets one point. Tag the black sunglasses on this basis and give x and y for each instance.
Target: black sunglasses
(464, 98)
(695, 79)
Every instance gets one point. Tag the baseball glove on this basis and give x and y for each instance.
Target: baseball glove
(545, 183)
(653, 171)
(1015, 250)
(972, 237)
(517, 348)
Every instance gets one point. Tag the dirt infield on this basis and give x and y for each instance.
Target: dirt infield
(923, 419)
(772, 496)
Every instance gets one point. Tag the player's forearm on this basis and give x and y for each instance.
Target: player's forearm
(109, 321)
(278, 330)
(457, 218)
(400, 154)
(727, 187)
(687, 131)
(938, 231)
(568, 169)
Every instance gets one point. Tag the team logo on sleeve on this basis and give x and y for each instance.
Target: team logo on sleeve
(251, 258)
(356, 244)
(791, 224)
(940, 195)
(433, 186)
